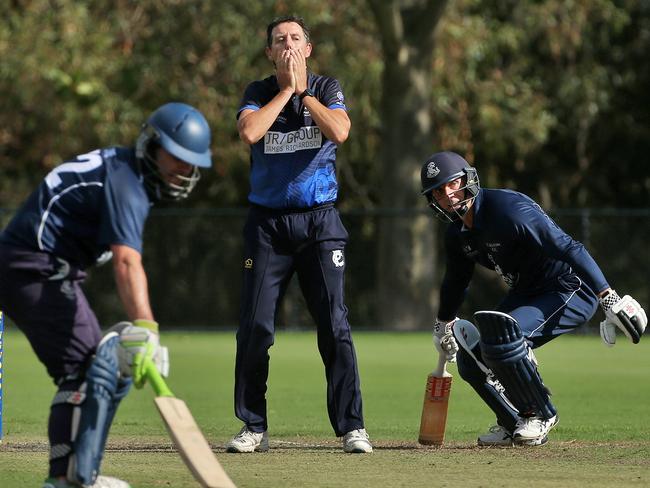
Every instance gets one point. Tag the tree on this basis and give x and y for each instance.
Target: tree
(405, 264)
(548, 97)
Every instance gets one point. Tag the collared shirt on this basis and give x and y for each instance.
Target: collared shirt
(293, 165)
(513, 236)
(82, 207)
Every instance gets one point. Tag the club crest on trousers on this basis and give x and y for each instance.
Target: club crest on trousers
(337, 258)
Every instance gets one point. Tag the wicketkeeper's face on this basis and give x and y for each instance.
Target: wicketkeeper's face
(450, 194)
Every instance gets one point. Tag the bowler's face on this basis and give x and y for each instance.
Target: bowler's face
(287, 36)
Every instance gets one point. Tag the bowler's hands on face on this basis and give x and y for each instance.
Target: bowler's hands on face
(284, 70)
(300, 70)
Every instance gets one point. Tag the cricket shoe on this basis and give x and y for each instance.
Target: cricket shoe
(533, 431)
(357, 441)
(248, 441)
(100, 482)
(496, 436)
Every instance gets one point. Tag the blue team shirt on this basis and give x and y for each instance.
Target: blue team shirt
(82, 207)
(293, 165)
(513, 236)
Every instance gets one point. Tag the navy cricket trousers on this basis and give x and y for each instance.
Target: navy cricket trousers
(310, 243)
(43, 296)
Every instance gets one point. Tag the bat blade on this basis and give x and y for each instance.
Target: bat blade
(435, 406)
(191, 444)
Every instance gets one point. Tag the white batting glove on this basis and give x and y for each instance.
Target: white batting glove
(444, 340)
(139, 341)
(624, 313)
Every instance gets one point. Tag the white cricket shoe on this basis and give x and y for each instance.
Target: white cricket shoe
(496, 436)
(108, 482)
(533, 431)
(248, 441)
(100, 482)
(357, 441)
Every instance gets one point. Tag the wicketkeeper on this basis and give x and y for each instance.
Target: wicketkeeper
(87, 210)
(554, 287)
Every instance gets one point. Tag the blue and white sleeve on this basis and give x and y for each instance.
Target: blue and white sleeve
(333, 97)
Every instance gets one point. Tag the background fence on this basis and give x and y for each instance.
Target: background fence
(193, 259)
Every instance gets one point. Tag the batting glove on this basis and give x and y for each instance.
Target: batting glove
(624, 313)
(139, 341)
(444, 341)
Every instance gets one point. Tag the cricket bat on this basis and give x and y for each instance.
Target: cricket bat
(187, 437)
(434, 407)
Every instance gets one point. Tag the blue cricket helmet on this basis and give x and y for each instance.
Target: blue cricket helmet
(183, 132)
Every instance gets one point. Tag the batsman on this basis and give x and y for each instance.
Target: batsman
(86, 211)
(554, 287)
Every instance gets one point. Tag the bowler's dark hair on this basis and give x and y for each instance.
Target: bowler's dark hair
(281, 20)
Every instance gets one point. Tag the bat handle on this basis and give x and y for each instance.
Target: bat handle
(441, 369)
(156, 380)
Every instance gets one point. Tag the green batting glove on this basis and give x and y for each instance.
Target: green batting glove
(140, 342)
(160, 356)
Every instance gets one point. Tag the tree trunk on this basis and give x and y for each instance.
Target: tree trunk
(407, 254)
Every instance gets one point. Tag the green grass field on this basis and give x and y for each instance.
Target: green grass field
(603, 396)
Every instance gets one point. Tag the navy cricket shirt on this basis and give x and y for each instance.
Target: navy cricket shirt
(293, 165)
(82, 207)
(513, 236)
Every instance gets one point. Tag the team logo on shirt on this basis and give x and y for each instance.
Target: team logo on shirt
(337, 258)
(248, 263)
(469, 251)
(509, 279)
(432, 170)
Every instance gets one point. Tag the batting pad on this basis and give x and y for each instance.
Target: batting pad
(96, 412)
(506, 353)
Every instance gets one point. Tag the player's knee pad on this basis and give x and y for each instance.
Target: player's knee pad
(466, 334)
(104, 389)
(506, 353)
(470, 366)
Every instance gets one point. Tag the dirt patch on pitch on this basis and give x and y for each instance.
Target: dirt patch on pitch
(560, 449)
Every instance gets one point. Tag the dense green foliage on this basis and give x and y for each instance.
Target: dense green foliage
(602, 438)
(550, 96)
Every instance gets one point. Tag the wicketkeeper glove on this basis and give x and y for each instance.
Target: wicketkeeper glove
(140, 341)
(444, 341)
(624, 313)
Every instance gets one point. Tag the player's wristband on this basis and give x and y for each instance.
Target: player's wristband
(609, 300)
(306, 93)
(151, 325)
